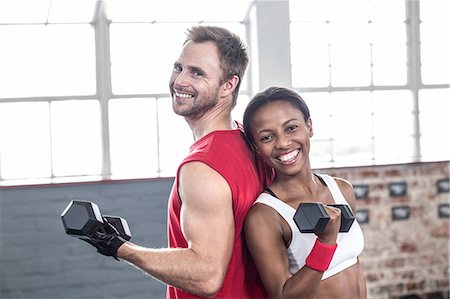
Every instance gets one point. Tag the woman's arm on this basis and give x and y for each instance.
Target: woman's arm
(264, 236)
(361, 281)
(347, 191)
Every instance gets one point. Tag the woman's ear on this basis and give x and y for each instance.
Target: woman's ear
(309, 127)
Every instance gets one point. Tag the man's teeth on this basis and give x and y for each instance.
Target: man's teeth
(183, 95)
(288, 157)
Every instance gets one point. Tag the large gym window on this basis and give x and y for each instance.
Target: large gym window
(358, 65)
(84, 93)
(84, 84)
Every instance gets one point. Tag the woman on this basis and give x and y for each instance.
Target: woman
(292, 264)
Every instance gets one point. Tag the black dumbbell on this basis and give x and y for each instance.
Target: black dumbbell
(312, 217)
(82, 219)
(347, 217)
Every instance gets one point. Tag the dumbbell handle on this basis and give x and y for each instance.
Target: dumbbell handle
(120, 224)
(347, 217)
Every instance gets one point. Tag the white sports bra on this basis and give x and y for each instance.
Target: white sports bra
(350, 244)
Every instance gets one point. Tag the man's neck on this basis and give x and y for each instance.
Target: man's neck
(204, 126)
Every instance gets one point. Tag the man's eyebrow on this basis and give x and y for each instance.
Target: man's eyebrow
(198, 69)
(190, 67)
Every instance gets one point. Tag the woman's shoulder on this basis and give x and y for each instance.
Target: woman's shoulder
(347, 191)
(343, 184)
(262, 214)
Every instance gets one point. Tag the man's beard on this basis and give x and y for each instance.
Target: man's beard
(195, 110)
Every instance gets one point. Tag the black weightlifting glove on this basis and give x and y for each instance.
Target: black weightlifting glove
(106, 239)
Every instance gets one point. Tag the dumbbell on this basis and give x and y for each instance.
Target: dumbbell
(312, 217)
(82, 219)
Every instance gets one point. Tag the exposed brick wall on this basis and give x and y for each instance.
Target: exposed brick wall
(405, 256)
(37, 259)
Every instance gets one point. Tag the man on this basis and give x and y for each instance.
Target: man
(215, 185)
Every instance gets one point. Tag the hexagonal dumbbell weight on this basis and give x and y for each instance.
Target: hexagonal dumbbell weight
(312, 217)
(82, 219)
(121, 225)
(347, 218)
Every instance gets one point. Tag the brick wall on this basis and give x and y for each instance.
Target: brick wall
(408, 255)
(38, 260)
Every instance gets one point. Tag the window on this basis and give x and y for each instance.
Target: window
(349, 61)
(46, 60)
(134, 137)
(85, 86)
(435, 123)
(348, 43)
(49, 139)
(76, 137)
(435, 41)
(25, 140)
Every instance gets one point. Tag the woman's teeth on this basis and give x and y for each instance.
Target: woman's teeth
(288, 157)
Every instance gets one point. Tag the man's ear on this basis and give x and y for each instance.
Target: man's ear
(229, 86)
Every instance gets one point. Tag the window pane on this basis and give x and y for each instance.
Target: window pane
(352, 127)
(393, 125)
(434, 106)
(51, 60)
(41, 11)
(24, 140)
(321, 153)
(388, 38)
(435, 41)
(175, 137)
(328, 10)
(71, 11)
(350, 54)
(387, 11)
(326, 33)
(389, 52)
(24, 11)
(133, 137)
(76, 138)
(319, 109)
(310, 54)
(177, 11)
(141, 65)
(364, 42)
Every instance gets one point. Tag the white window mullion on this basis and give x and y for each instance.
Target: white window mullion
(103, 77)
(413, 67)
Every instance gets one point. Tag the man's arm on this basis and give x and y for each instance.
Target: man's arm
(208, 226)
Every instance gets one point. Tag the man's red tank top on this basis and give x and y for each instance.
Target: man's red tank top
(227, 153)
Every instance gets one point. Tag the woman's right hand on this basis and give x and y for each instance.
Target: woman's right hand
(331, 231)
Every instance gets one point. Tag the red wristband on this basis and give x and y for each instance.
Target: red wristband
(320, 256)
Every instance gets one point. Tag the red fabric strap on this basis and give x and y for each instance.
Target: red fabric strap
(320, 256)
